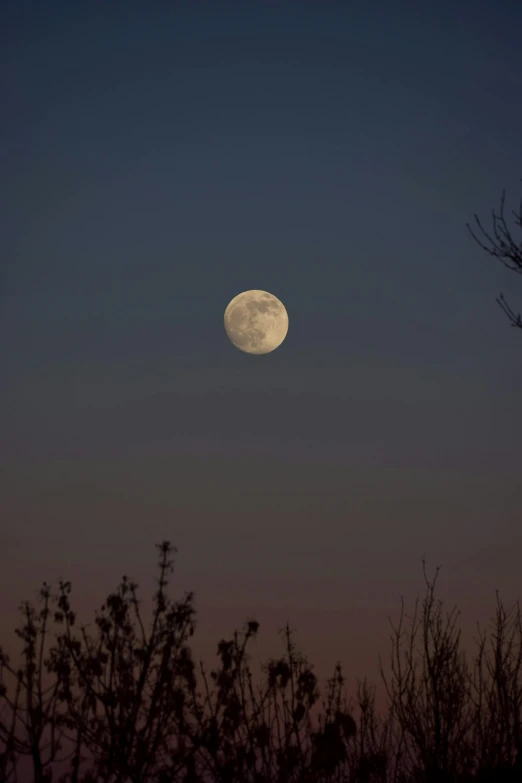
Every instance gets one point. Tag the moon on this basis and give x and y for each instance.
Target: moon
(256, 322)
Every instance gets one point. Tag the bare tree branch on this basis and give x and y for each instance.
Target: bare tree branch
(503, 247)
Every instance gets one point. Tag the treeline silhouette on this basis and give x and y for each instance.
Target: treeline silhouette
(131, 704)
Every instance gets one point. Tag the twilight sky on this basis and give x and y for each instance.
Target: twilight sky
(159, 158)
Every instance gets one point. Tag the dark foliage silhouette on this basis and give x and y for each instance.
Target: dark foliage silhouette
(503, 247)
(117, 702)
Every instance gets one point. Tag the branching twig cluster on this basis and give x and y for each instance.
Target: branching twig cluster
(503, 247)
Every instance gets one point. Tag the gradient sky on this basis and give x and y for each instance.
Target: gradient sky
(157, 159)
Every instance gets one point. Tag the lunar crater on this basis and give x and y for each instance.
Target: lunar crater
(256, 322)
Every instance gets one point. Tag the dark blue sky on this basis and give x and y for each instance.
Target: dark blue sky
(159, 158)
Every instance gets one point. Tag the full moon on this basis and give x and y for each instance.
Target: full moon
(256, 322)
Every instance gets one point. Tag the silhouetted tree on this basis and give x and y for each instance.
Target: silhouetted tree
(34, 708)
(456, 726)
(131, 684)
(428, 693)
(496, 696)
(268, 734)
(503, 247)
